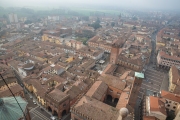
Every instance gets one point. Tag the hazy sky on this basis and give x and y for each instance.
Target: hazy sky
(161, 4)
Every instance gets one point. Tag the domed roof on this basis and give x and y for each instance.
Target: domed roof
(28, 66)
(10, 110)
(124, 112)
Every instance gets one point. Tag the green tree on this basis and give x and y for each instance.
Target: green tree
(2, 33)
(28, 22)
(119, 15)
(135, 18)
(98, 20)
(179, 34)
(134, 27)
(86, 18)
(96, 25)
(112, 24)
(4, 16)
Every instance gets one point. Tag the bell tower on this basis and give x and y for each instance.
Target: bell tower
(114, 53)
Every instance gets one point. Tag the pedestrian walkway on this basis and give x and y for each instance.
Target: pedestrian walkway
(153, 82)
(36, 115)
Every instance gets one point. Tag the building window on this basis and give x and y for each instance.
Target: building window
(174, 107)
(169, 101)
(168, 105)
(64, 105)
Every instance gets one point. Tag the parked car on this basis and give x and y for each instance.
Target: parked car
(53, 118)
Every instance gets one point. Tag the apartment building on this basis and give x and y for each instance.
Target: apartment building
(174, 80)
(155, 107)
(172, 101)
(13, 18)
(166, 61)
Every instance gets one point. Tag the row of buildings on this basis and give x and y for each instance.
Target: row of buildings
(64, 75)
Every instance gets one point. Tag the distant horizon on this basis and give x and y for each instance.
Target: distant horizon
(95, 7)
(151, 5)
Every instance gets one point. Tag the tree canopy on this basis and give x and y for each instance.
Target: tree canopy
(134, 27)
(86, 18)
(96, 24)
(112, 24)
(28, 22)
(85, 34)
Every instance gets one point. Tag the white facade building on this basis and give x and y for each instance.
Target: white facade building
(53, 18)
(13, 18)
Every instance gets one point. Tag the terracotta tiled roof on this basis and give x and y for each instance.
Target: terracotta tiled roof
(81, 85)
(15, 89)
(3, 67)
(105, 71)
(28, 65)
(9, 79)
(170, 96)
(175, 74)
(123, 100)
(94, 38)
(157, 105)
(113, 81)
(96, 110)
(74, 91)
(41, 89)
(98, 90)
(110, 69)
(57, 95)
(164, 55)
(149, 118)
(138, 61)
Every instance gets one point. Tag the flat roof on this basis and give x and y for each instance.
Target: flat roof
(139, 75)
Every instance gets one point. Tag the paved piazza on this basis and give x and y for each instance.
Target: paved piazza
(152, 82)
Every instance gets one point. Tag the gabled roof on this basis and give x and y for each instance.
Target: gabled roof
(113, 81)
(95, 109)
(157, 105)
(57, 95)
(170, 96)
(123, 100)
(73, 92)
(97, 90)
(175, 74)
(15, 89)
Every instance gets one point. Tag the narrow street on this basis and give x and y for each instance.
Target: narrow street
(154, 81)
(144, 86)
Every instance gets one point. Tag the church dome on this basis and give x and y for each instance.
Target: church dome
(10, 110)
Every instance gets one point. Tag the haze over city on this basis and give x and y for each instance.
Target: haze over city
(89, 60)
(138, 4)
